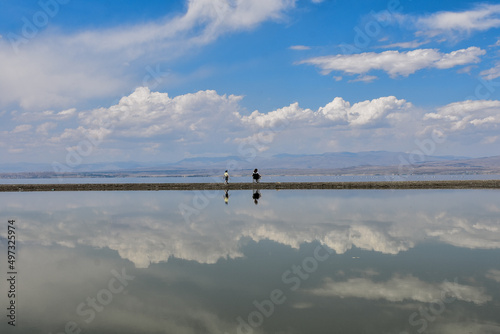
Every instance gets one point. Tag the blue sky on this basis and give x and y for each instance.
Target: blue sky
(93, 81)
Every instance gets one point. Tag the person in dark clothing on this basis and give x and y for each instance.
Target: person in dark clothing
(256, 175)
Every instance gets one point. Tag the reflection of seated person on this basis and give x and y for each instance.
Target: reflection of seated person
(256, 195)
(226, 197)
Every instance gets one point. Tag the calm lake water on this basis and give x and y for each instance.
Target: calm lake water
(315, 261)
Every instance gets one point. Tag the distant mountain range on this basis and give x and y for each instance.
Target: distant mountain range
(311, 161)
(373, 162)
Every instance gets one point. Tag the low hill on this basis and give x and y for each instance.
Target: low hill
(341, 163)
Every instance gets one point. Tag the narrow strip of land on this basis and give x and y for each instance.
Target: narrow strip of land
(455, 184)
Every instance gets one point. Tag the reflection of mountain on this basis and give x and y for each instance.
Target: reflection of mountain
(149, 228)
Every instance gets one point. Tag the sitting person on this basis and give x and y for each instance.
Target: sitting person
(256, 175)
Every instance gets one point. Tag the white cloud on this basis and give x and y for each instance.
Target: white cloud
(145, 114)
(450, 26)
(399, 289)
(276, 117)
(45, 128)
(481, 18)
(45, 115)
(364, 78)
(470, 114)
(395, 63)
(60, 70)
(208, 123)
(366, 112)
(460, 57)
(337, 112)
(299, 47)
(490, 140)
(491, 73)
(404, 45)
(22, 128)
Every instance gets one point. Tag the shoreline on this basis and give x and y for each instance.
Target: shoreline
(452, 184)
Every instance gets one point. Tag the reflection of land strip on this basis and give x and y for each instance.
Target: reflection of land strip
(455, 184)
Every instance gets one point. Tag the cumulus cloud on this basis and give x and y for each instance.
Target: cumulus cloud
(395, 63)
(337, 112)
(49, 71)
(460, 57)
(146, 123)
(467, 115)
(147, 114)
(209, 123)
(149, 123)
(399, 289)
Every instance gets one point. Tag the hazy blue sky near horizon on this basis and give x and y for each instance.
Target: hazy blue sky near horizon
(96, 81)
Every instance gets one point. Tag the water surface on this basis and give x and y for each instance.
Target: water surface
(316, 261)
